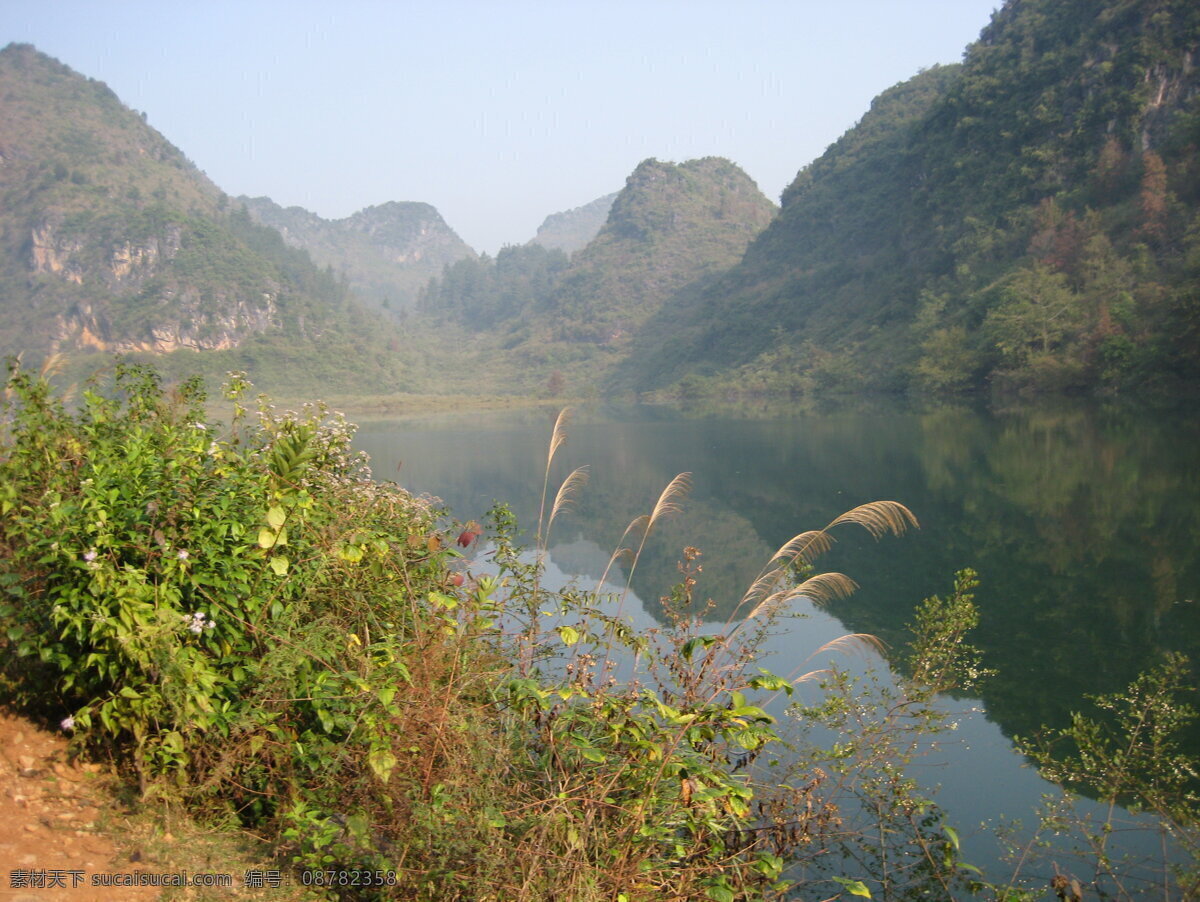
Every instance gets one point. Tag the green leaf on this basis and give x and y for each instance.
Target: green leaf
(382, 762)
(266, 538)
(854, 887)
(276, 516)
(568, 634)
(952, 835)
(279, 564)
(443, 601)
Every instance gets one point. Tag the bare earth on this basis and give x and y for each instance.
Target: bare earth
(52, 814)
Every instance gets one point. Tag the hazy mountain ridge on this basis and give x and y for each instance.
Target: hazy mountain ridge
(1027, 219)
(572, 230)
(670, 226)
(387, 253)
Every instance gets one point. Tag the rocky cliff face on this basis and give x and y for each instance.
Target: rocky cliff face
(190, 326)
(110, 239)
(386, 252)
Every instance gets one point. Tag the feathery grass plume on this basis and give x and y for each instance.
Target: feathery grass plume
(566, 494)
(53, 364)
(667, 504)
(807, 546)
(877, 517)
(821, 588)
(852, 643)
(668, 501)
(558, 438)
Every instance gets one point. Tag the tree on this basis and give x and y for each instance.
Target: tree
(1154, 197)
(1038, 313)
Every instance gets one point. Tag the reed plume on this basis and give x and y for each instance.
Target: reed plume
(876, 517)
(557, 439)
(565, 496)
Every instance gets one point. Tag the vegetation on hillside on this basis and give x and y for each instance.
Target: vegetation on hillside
(573, 230)
(1026, 219)
(111, 240)
(386, 253)
(537, 314)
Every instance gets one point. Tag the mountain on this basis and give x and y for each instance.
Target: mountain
(1026, 219)
(386, 252)
(671, 226)
(540, 322)
(112, 241)
(572, 230)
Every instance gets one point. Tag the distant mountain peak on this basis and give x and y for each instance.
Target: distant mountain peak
(387, 252)
(572, 230)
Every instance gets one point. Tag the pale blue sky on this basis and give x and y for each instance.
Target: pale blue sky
(497, 113)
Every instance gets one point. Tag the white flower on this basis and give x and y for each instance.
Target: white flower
(198, 622)
(182, 554)
(200, 426)
(67, 723)
(90, 556)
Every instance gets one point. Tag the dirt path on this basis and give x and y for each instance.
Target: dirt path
(52, 817)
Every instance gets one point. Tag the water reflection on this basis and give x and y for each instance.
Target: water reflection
(1083, 522)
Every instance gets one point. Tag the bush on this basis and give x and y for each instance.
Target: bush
(252, 627)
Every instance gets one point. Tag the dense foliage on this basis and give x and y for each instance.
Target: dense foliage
(246, 622)
(1027, 218)
(252, 625)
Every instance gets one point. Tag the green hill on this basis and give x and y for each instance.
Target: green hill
(538, 317)
(671, 225)
(112, 241)
(1027, 219)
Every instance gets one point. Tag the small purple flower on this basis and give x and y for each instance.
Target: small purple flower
(67, 723)
(182, 554)
(90, 556)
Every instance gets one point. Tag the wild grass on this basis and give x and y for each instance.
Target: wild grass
(260, 633)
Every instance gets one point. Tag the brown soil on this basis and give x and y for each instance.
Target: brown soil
(56, 817)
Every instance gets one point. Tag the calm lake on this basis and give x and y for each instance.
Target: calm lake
(1083, 523)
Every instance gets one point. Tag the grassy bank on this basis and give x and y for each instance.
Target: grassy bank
(265, 638)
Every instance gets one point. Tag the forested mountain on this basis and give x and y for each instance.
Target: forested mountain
(572, 230)
(386, 253)
(111, 240)
(671, 226)
(1028, 218)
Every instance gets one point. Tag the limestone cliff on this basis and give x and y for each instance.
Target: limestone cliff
(110, 239)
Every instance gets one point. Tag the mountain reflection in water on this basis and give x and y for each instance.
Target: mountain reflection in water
(1083, 523)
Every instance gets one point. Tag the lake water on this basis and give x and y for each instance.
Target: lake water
(1082, 521)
